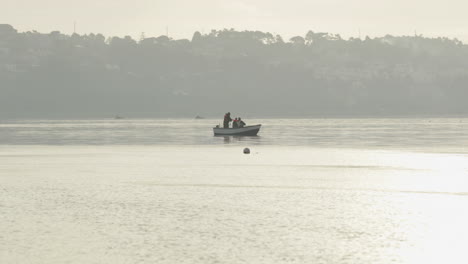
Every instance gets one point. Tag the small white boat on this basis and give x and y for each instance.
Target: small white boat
(241, 131)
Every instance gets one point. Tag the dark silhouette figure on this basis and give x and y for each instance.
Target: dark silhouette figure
(234, 123)
(227, 119)
(240, 122)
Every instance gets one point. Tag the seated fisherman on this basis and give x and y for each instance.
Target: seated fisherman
(240, 122)
(235, 123)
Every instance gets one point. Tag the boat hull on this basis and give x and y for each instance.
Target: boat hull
(243, 131)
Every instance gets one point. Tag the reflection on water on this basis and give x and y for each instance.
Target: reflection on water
(311, 191)
(365, 133)
(254, 140)
(212, 204)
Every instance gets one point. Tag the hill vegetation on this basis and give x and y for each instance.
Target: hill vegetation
(246, 72)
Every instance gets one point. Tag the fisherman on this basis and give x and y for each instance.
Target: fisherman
(227, 119)
(240, 122)
(235, 123)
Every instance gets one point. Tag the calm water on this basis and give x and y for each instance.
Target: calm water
(439, 134)
(168, 191)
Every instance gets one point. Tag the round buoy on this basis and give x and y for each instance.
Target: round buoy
(246, 151)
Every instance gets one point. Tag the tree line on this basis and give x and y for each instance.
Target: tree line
(249, 72)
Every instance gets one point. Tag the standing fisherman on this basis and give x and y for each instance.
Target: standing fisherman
(227, 119)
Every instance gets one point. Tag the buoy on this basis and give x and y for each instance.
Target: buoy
(246, 151)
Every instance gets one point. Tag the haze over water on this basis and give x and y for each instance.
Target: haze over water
(168, 191)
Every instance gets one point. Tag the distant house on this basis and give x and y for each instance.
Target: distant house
(158, 40)
(112, 67)
(11, 68)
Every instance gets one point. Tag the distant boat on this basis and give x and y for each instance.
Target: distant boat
(242, 131)
(118, 117)
(199, 117)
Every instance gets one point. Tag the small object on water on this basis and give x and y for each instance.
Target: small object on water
(246, 151)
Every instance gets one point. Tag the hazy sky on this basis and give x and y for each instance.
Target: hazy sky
(288, 18)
